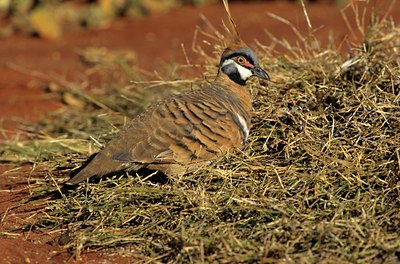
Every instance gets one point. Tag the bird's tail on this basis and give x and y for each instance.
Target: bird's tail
(100, 165)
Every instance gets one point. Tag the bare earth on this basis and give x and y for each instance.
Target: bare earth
(26, 63)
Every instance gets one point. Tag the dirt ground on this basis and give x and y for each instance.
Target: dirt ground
(26, 63)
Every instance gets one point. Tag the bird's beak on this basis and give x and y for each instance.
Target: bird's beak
(257, 71)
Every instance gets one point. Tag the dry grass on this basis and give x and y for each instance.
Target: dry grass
(317, 182)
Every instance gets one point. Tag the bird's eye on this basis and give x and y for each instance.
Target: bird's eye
(241, 60)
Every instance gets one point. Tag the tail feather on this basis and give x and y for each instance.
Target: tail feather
(100, 165)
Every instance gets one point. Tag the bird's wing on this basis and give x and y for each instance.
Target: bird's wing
(183, 129)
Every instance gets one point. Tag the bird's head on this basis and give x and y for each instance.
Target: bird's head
(238, 61)
(241, 64)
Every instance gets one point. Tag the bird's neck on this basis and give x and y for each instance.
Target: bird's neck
(240, 92)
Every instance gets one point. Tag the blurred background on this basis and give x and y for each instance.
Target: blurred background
(50, 18)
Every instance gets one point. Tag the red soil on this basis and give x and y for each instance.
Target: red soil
(27, 63)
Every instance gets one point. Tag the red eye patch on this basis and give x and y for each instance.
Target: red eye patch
(248, 65)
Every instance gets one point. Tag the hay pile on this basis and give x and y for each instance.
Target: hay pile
(317, 181)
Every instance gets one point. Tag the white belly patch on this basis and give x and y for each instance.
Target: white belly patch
(242, 125)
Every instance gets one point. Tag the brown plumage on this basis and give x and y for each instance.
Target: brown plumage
(178, 134)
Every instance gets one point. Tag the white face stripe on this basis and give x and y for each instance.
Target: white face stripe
(243, 126)
(244, 72)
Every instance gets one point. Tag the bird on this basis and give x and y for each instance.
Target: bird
(184, 131)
